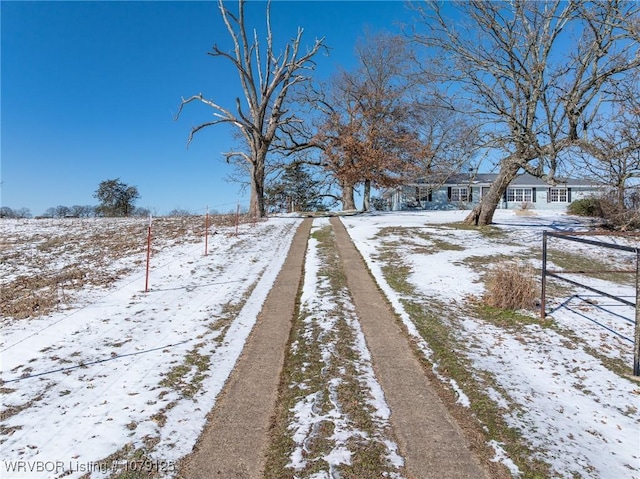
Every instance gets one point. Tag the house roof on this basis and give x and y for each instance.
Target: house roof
(485, 179)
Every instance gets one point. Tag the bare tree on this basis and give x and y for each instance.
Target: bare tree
(179, 213)
(141, 212)
(23, 212)
(611, 151)
(83, 211)
(62, 211)
(535, 74)
(7, 212)
(266, 78)
(453, 140)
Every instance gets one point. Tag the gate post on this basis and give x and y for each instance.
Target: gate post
(636, 338)
(543, 295)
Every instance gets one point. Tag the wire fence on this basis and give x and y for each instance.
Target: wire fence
(44, 261)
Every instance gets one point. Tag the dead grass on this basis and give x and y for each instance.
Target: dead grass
(492, 232)
(130, 462)
(511, 286)
(9, 411)
(433, 245)
(186, 378)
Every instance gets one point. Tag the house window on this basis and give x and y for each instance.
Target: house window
(520, 194)
(459, 194)
(558, 195)
(424, 194)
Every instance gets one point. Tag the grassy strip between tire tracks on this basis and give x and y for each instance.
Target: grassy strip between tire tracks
(324, 370)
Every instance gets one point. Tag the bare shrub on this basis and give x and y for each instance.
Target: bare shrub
(616, 213)
(511, 285)
(618, 216)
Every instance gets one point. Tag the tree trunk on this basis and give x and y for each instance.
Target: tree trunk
(482, 213)
(348, 203)
(366, 197)
(256, 207)
(621, 195)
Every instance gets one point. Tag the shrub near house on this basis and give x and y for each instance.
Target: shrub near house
(614, 215)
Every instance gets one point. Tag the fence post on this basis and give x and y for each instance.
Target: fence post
(543, 294)
(237, 217)
(146, 282)
(636, 338)
(206, 232)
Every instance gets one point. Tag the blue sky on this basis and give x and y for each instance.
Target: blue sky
(89, 91)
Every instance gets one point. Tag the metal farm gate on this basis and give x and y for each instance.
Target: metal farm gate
(576, 237)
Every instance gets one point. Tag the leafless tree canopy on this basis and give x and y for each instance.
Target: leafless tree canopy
(535, 73)
(611, 152)
(266, 76)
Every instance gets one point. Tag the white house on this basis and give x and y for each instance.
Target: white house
(465, 191)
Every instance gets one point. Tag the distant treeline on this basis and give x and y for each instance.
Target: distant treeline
(61, 211)
(89, 211)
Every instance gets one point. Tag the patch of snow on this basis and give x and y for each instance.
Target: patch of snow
(503, 458)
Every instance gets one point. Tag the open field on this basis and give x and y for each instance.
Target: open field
(96, 374)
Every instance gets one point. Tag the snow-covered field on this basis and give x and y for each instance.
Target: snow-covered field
(117, 375)
(120, 371)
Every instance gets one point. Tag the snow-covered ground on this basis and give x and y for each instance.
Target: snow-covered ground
(578, 415)
(116, 370)
(120, 367)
